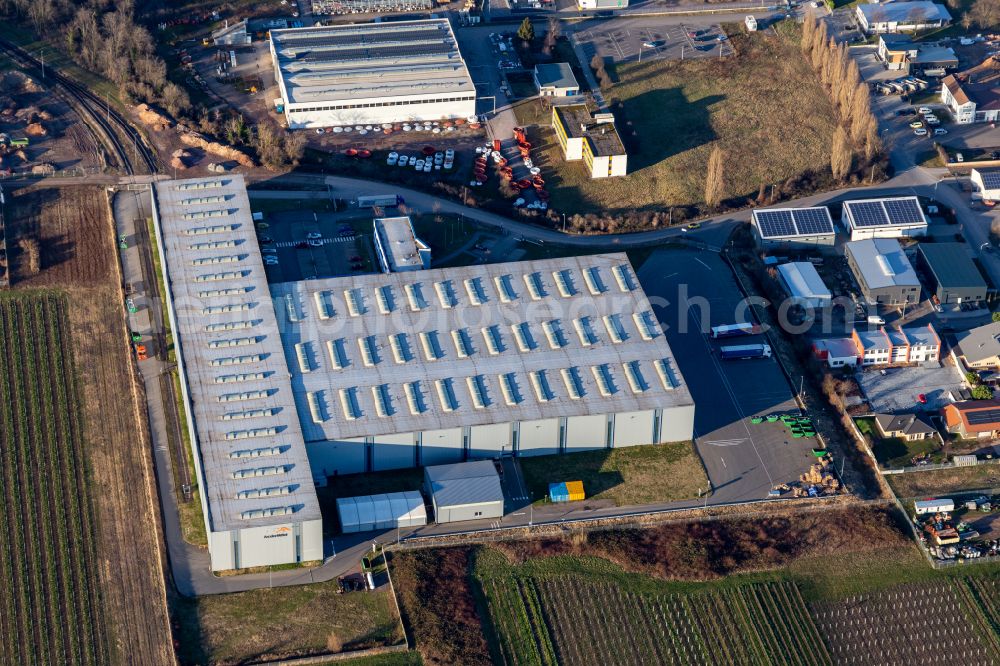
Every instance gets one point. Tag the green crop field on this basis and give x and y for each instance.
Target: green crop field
(589, 619)
(52, 610)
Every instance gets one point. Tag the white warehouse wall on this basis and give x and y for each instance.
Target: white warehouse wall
(585, 433)
(287, 543)
(440, 447)
(488, 441)
(677, 424)
(298, 118)
(343, 457)
(538, 438)
(634, 428)
(394, 451)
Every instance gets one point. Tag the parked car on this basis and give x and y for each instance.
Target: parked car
(268, 250)
(916, 123)
(315, 242)
(921, 398)
(920, 131)
(270, 261)
(313, 235)
(266, 240)
(938, 131)
(924, 110)
(302, 245)
(355, 258)
(932, 121)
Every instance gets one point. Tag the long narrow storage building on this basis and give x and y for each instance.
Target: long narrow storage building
(258, 497)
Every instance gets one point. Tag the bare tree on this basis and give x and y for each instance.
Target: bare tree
(175, 99)
(985, 13)
(551, 36)
(852, 78)
(295, 147)
(808, 32)
(841, 155)
(819, 47)
(873, 142)
(861, 113)
(715, 178)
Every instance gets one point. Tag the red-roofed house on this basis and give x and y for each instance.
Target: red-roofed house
(974, 419)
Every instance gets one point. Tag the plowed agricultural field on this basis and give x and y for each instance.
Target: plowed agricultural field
(53, 612)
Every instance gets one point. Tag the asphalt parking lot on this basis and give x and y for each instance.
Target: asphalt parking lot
(622, 40)
(744, 461)
(897, 390)
(344, 243)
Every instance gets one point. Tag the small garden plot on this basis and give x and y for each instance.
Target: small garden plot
(892, 452)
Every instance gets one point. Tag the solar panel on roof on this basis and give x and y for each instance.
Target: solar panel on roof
(902, 211)
(991, 179)
(980, 417)
(774, 223)
(868, 214)
(813, 221)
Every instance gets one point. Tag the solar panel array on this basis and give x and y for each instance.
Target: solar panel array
(981, 416)
(991, 178)
(868, 214)
(793, 222)
(885, 212)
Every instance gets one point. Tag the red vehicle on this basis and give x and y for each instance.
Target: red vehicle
(922, 399)
(302, 245)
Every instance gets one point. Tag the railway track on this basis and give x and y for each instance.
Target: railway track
(109, 121)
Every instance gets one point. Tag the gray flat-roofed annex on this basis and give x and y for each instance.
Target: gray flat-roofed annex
(369, 60)
(883, 263)
(402, 247)
(443, 348)
(475, 482)
(248, 437)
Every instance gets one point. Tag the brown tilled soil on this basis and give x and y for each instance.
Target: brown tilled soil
(74, 228)
(74, 234)
(131, 567)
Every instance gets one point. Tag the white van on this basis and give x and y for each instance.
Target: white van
(875, 319)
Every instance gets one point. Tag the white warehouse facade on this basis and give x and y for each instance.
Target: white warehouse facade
(371, 73)
(440, 366)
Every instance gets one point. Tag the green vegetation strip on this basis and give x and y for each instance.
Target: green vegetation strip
(53, 611)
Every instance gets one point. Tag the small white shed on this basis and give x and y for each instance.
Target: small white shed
(381, 512)
(933, 506)
(751, 23)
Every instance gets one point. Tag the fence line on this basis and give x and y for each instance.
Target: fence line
(930, 467)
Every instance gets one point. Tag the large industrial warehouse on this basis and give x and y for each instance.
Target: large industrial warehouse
(371, 73)
(258, 496)
(397, 370)
(288, 384)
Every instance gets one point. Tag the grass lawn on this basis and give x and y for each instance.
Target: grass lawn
(764, 108)
(892, 451)
(285, 621)
(939, 482)
(633, 475)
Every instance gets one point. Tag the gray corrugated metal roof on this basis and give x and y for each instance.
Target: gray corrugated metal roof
(883, 263)
(464, 483)
(952, 266)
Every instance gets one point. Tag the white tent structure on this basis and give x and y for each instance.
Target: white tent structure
(381, 512)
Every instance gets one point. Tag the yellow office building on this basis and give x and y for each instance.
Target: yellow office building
(591, 138)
